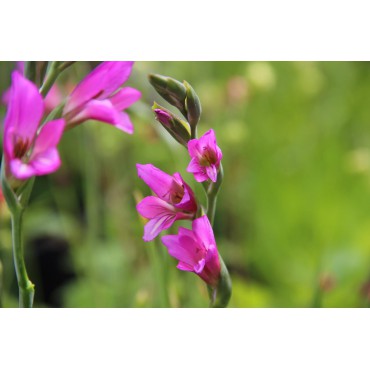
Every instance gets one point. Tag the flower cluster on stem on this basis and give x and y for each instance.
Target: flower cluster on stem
(194, 248)
(30, 141)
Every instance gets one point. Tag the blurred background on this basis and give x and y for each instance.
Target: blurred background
(293, 215)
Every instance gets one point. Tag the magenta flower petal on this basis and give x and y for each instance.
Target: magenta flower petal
(125, 97)
(45, 158)
(151, 207)
(153, 227)
(100, 83)
(103, 110)
(193, 148)
(211, 171)
(20, 170)
(27, 152)
(161, 214)
(184, 249)
(53, 98)
(187, 202)
(196, 250)
(159, 181)
(205, 157)
(174, 201)
(46, 162)
(185, 267)
(100, 96)
(49, 136)
(124, 123)
(203, 231)
(25, 108)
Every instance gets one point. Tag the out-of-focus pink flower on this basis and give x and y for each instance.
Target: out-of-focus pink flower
(99, 96)
(174, 201)
(52, 99)
(196, 250)
(205, 157)
(28, 152)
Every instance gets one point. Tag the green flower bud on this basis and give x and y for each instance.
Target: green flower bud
(171, 90)
(176, 127)
(193, 106)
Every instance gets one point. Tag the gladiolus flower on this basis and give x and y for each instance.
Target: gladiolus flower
(205, 157)
(52, 99)
(28, 152)
(99, 96)
(174, 201)
(196, 250)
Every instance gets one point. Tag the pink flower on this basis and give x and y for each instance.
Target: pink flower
(28, 152)
(174, 201)
(205, 157)
(52, 99)
(99, 96)
(196, 250)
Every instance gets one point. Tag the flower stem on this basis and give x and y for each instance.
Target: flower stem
(30, 70)
(51, 76)
(220, 295)
(17, 204)
(211, 192)
(26, 288)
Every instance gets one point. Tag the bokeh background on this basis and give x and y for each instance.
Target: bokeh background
(293, 215)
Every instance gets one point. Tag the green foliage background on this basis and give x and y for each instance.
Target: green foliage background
(293, 214)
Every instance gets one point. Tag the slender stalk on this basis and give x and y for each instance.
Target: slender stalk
(193, 132)
(219, 296)
(17, 205)
(51, 76)
(26, 288)
(211, 192)
(65, 65)
(30, 70)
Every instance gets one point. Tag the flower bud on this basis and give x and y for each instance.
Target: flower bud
(176, 127)
(171, 90)
(193, 106)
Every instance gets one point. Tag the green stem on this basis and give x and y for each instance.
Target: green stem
(220, 295)
(17, 205)
(211, 192)
(30, 70)
(193, 132)
(51, 76)
(26, 288)
(65, 65)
